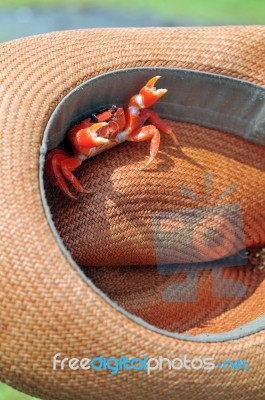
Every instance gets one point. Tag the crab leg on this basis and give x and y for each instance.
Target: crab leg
(53, 168)
(60, 165)
(144, 133)
(68, 165)
(160, 124)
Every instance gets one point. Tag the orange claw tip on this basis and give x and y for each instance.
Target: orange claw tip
(71, 196)
(149, 88)
(147, 164)
(151, 83)
(174, 138)
(88, 191)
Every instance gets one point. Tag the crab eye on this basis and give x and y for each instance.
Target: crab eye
(94, 118)
(114, 109)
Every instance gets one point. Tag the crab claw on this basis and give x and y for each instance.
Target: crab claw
(150, 94)
(151, 83)
(85, 139)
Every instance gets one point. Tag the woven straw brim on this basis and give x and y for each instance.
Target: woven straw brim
(46, 306)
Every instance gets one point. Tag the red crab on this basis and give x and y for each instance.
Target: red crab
(105, 130)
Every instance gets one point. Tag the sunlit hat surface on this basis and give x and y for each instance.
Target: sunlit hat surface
(85, 278)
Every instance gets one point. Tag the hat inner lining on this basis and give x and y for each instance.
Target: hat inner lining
(205, 99)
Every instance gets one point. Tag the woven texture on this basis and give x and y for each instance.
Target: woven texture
(114, 227)
(45, 306)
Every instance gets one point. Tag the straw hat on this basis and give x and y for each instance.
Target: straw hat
(80, 279)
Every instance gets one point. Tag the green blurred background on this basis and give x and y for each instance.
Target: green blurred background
(20, 18)
(28, 17)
